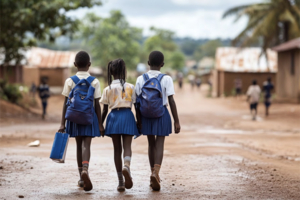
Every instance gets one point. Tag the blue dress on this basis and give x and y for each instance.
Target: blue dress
(121, 121)
(157, 126)
(77, 130)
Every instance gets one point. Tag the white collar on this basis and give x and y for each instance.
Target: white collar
(154, 72)
(82, 73)
(116, 81)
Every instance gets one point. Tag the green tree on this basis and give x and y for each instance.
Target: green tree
(207, 50)
(23, 22)
(162, 40)
(111, 38)
(270, 21)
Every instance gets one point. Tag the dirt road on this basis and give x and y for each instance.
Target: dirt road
(219, 154)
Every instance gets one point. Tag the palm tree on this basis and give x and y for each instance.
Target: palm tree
(269, 23)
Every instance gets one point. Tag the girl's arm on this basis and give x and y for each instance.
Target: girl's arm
(174, 113)
(98, 113)
(63, 119)
(138, 117)
(105, 111)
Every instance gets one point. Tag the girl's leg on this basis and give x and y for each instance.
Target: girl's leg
(86, 149)
(151, 153)
(79, 158)
(159, 154)
(86, 153)
(127, 139)
(151, 149)
(117, 142)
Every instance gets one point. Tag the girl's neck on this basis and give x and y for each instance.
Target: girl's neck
(83, 69)
(116, 77)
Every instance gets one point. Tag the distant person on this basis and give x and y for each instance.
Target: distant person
(33, 89)
(44, 94)
(253, 95)
(191, 78)
(238, 86)
(83, 133)
(198, 82)
(120, 123)
(180, 79)
(267, 88)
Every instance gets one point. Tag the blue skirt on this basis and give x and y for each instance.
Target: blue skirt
(157, 126)
(75, 130)
(121, 122)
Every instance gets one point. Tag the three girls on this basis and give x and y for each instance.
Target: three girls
(120, 123)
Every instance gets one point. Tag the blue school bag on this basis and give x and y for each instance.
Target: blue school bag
(150, 100)
(59, 147)
(81, 101)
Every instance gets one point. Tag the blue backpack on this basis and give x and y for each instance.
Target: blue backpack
(150, 100)
(81, 102)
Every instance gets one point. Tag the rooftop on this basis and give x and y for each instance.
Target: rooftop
(250, 59)
(43, 58)
(46, 58)
(292, 44)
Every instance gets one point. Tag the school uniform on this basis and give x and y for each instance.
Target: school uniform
(73, 129)
(161, 126)
(120, 120)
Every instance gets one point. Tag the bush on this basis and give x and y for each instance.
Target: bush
(10, 92)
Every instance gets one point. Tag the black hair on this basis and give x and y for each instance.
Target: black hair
(82, 59)
(254, 82)
(269, 79)
(156, 58)
(117, 67)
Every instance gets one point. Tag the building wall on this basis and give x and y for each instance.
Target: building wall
(31, 75)
(56, 77)
(224, 82)
(288, 85)
(14, 74)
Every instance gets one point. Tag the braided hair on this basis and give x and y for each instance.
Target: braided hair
(116, 68)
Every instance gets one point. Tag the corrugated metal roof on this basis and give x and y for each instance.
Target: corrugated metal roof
(245, 60)
(46, 58)
(292, 44)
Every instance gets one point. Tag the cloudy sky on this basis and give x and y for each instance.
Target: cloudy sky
(187, 18)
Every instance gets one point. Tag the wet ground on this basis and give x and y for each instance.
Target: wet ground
(219, 154)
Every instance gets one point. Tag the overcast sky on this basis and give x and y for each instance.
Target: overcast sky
(187, 18)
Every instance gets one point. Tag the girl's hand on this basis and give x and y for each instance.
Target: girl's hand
(102, 131)
(177, 127)
(139, 125)
(62, 129)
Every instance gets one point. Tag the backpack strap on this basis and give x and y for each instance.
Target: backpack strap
(75, 79)
(146, 77)
(160, 76)
(90, 79)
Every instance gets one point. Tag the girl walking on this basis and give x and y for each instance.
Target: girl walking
(120, 123)
(156, 128)
(83, 133)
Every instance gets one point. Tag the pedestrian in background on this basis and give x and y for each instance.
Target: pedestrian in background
(238, 86)
(33, 89)
(267, 88)
(180, 79)
(44, 94)
(253, 95)
(198, 82)
(191, 78)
